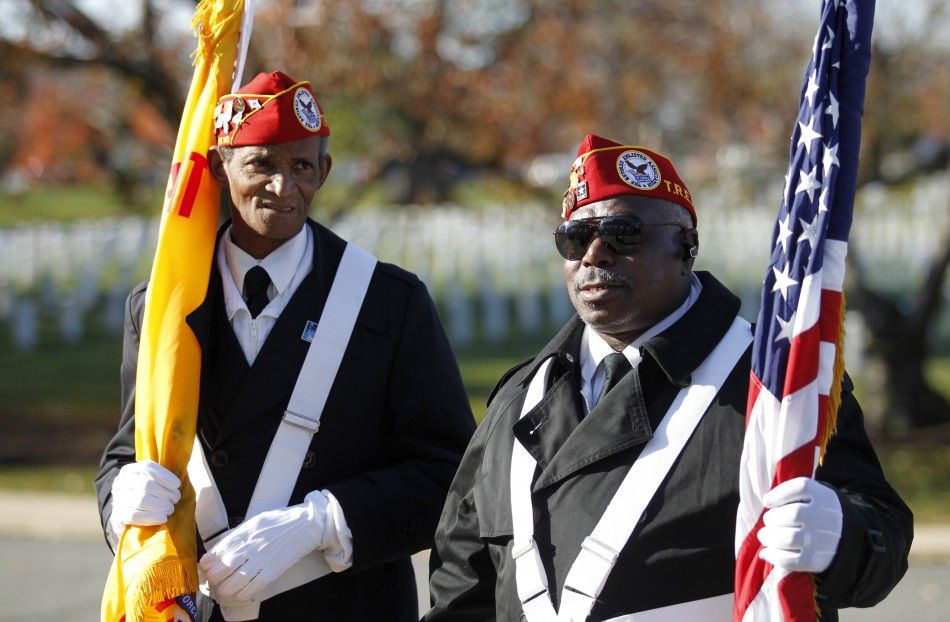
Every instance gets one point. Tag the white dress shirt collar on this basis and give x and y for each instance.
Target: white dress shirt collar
(282, 264)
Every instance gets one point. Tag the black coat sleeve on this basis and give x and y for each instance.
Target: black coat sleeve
(462, 581)
(877, 526)
(393, 511)
(121, 448)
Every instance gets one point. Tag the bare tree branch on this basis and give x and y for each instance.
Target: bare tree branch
(67, 13)
(932, 289)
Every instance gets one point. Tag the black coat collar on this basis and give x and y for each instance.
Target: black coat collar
(678, 350)
(274, 372)
(557, 434)
(685, 345)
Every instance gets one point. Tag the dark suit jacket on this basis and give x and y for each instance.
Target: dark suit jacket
(683, 547)
(392, 433)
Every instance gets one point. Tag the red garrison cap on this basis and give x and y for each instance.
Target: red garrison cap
(605, 169)
(272, 108)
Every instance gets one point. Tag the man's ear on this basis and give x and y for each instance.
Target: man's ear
(326, 162)
(216, 165)
(690, 248)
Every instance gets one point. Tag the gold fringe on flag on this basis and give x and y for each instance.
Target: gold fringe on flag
(834, 396)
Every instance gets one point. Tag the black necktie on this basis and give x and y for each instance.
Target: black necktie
(256, 282)
(617, 367)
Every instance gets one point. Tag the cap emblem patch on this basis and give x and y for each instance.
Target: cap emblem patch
(305, 107)
(638, 169)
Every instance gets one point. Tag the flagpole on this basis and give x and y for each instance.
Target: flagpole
(247, 26)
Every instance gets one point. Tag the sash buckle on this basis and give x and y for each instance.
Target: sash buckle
(523, 549)
(598, 549)
(310, 424)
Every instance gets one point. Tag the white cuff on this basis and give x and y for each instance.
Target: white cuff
(338, 539)
(112, 537)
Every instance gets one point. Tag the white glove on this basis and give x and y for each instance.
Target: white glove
(143, 493)
(259, 550)
(803, 526)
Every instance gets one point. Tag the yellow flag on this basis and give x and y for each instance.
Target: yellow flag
(154, 575)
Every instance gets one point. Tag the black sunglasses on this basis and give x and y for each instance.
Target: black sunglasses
(622, 234)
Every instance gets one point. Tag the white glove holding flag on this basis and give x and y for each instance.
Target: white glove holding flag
(143, 493)
(262, 548)
(803, 526)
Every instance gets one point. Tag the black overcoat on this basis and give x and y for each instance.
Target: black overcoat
(683, 547)
(392, 433)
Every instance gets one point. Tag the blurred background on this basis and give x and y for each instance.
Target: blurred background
(454, 124)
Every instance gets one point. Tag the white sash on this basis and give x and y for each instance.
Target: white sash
(600, 550)
(300, 422)
(712, 609)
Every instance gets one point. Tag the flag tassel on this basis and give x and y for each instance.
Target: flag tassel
(210, 27)
(163, 580)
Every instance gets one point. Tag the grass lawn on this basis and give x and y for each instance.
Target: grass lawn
(920, 475)
(62, 384)
(55, 478)
(61, 402)
(66, 203)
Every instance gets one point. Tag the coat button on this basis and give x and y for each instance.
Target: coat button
(309, 459)
(219, 458)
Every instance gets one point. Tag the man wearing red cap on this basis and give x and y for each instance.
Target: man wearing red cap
(581, 498)
(332, 415)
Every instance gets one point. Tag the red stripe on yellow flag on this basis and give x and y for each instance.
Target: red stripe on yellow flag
(154, 575)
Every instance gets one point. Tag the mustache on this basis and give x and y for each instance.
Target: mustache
(600, 275)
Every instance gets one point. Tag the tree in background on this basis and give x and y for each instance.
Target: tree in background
(90, 100)
(901, 330)
(438, 90)
(907, 136)
(427, 96)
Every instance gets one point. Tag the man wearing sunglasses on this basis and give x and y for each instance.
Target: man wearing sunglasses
(582, 498)
(331, 417)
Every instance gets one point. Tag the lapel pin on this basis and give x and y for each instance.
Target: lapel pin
(309, 330)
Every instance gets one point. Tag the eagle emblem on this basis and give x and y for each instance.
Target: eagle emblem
(305, 108)
(638, 170)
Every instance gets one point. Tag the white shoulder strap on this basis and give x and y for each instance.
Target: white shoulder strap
(600, 550)
(530, 577)
(300, 422)
(210, 514)
(302, 418)
(713, 609)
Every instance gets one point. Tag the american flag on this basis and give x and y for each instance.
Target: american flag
(794, 390)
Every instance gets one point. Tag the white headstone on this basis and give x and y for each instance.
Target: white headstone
(25, 324)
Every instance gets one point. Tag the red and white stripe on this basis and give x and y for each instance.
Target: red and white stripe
(783, 441)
